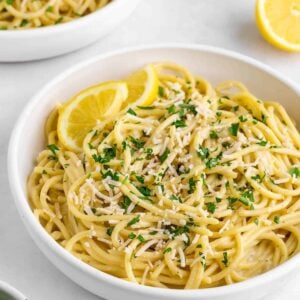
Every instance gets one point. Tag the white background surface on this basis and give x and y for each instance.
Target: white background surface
(224, 23)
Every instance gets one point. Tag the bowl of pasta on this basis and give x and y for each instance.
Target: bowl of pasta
(37, 29)
(163, 172)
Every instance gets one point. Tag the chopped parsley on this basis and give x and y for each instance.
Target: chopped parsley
(108, 154)
(109, 231)
(211, 207)
(234, 128)
(262, 143)
(10, 2)
(171, 109)
(136, 142)
(126, 202)
(59, 20)
(161, 91)
(203, 152)
(153, 232)
(235, 108)
(247, 197)
(149, 152)
(49, 9)
(133, 221)
(218, 200)
(226, 145)
(175, 231)
(256, 221)
(24, 23)
(124, 145)
(277, 219)
(144, 191)
(192, 185)
(141, 238)
(213, 135)
(242, 119)
(113, 175)
(225, 259)
(131, 111)
(179, 124)
(140, 179)
(91, 146)
(167, 250)
(165, 155)
(145, 107)
(189, 107)
(131, 236)
(231, 201)
(264, 118)
(53, 148)
(211, 162)
(257, 178)
(295, 172)
(175, 198)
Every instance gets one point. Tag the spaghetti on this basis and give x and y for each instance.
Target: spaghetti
(26, 14)
(200, 189)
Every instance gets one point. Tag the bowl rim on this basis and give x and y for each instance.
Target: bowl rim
(37, 229)
(11, 291)
(64, 27)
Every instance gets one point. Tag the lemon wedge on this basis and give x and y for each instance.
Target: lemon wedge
(80, 114)
(279, 23)
(142, 87)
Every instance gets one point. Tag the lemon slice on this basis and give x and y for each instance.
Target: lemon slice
(279, 23)
(142, 86)
(80, 114)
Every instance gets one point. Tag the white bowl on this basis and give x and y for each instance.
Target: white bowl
(7, 292)
(27, 140)
(48, 41)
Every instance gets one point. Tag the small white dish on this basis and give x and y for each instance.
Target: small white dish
(49, 41)
(27, 140)
(7, 292)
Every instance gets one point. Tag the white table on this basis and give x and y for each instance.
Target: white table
(223, 23)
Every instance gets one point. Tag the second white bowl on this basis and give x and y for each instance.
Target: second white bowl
(48, 41)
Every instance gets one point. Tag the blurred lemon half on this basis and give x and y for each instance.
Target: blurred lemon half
(279, 23)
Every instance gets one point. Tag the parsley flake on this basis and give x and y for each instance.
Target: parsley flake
(225, 259)
(203, 152)
(277, 219)
(167, 250)
(131, 236)
(179, 124)
(131, 111)
(234, 128)
(295, 172)
(213, 135)
(133, 221)
(161, 91)
(126, 202)
(144, 191)
(109, 231)
(141, 238)
(165, 155)
(53, 148)
(211, 207)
